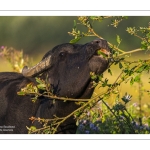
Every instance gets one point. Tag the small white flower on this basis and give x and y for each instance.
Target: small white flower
(135, 104)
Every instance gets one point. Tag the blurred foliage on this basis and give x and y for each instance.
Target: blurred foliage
(34, 34)
(37, 35)
(16, 58)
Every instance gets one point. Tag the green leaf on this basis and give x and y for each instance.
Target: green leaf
(148, 35)
(41, 86)
(77, 122)
(92, 17)
(120, 65)
(33, 128)
(118, 39)
(131, 81)
(137, 78)
(101, 53)
(109, 71)
(34, 99)
(125, 17)
(21, 93)
(144, 45)
(75, 24)
(75, 40)
(91, 113)
(139, 70)
(39, 81)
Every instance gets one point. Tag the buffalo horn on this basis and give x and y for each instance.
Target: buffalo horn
(38, 68)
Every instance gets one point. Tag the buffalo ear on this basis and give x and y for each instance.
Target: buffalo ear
(38, 68)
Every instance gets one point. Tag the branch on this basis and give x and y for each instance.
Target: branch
(132, 51)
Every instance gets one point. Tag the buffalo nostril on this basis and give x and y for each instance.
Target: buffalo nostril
(97, 42)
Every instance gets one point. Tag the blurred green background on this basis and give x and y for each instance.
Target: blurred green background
(36, 35)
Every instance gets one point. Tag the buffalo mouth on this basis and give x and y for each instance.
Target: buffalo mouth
(102, 52)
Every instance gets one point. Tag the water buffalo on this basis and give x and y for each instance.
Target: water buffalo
(67, 68)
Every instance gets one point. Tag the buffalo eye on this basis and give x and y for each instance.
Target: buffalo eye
(62, 54)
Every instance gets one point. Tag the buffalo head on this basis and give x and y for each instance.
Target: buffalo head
(68, 67)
